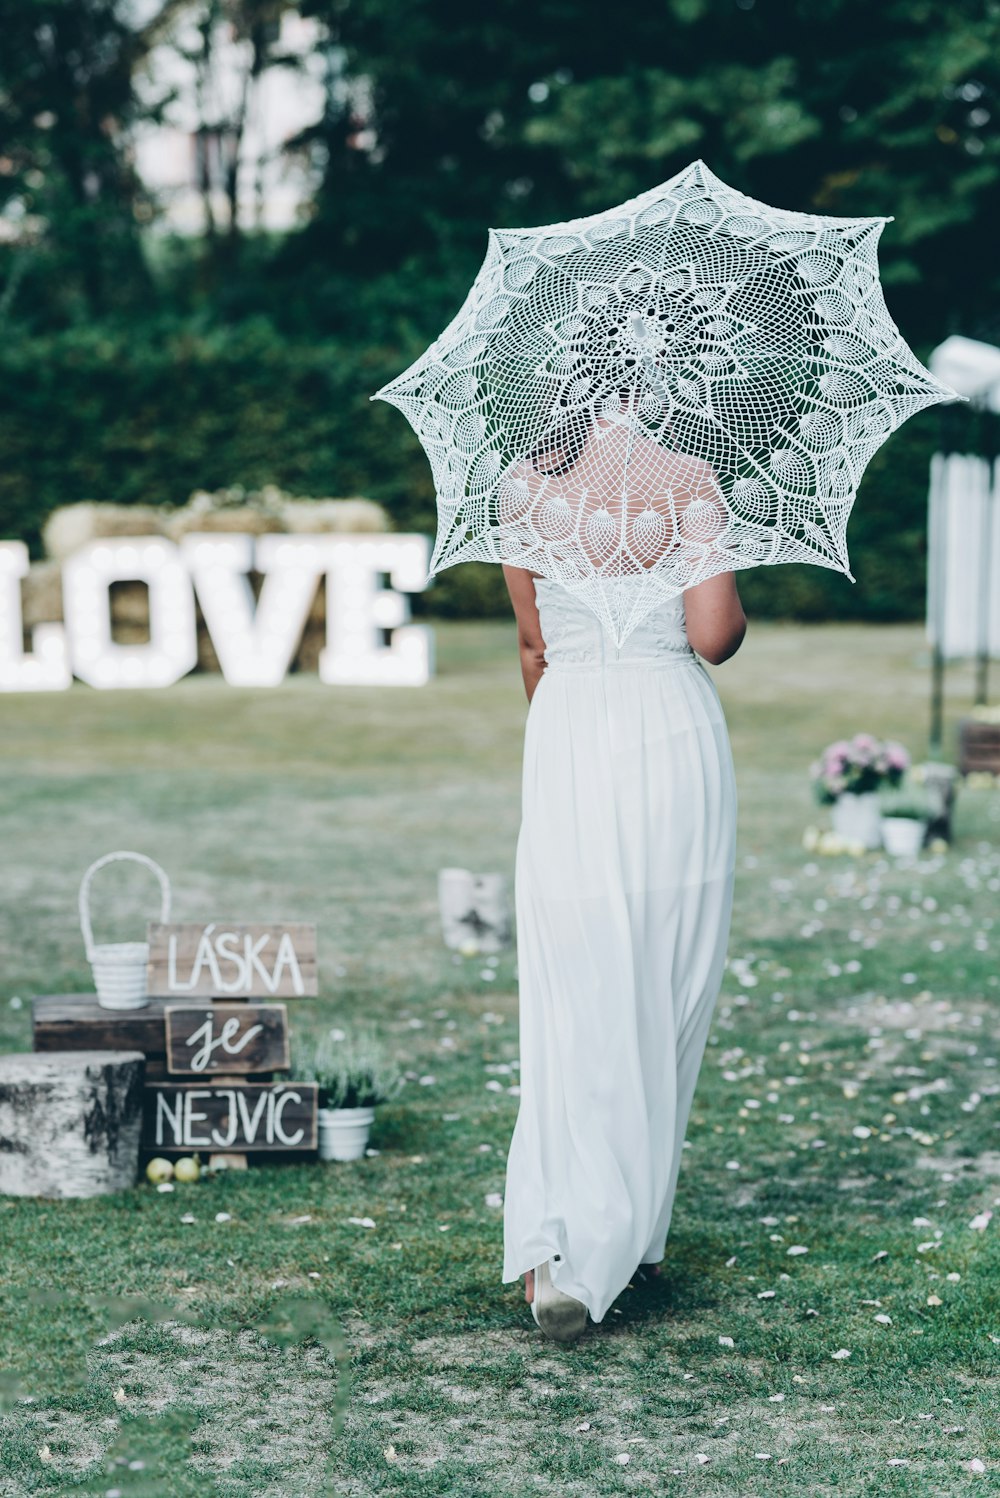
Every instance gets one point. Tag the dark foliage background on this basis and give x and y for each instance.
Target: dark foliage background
(137, 366)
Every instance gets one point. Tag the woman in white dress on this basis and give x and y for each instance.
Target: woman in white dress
(623, 892)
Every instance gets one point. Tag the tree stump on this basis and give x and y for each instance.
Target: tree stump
(70, 1122)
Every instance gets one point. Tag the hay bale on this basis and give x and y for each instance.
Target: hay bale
(129, 607)
(233, 519)
(42, 594)
(312, 642)
(72, 526)
(131, 634)
(317, 517)
(207, 658)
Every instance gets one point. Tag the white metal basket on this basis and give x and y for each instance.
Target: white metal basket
(119, 968)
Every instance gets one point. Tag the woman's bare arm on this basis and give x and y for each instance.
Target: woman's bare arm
(521, 587)
(714, 617)
(716, 623)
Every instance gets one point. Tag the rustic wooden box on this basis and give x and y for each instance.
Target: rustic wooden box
(77, 1022)
(978, 746)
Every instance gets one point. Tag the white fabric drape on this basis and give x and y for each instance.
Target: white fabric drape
(623, 896)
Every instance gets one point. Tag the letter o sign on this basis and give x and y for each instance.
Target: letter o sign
(172, 649)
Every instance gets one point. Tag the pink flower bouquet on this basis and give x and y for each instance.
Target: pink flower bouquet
(857, 765)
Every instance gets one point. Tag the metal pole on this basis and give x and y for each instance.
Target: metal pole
(990, 421)
(983, 586)
(936, 575)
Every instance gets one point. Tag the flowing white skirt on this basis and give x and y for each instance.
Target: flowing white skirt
(623, 896)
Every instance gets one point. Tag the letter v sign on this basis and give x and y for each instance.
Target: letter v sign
(255, 641)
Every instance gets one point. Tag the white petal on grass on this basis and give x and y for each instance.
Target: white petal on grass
(884, 1319)
(726, 1342)
(842, 1352)
(980, 1221)
(362, 1222)
(584, 1426)
(493, 1199)
(701, 1458)
(797, 1248)
(976, 1465)
(766, 1294)
(223, 1217)
(623, 1458)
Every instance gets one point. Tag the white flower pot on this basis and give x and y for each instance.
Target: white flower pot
(857, 818)
(343, 1132)
(903, 837)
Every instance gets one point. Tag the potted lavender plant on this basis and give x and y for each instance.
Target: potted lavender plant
(354, 1075)
(848, 776)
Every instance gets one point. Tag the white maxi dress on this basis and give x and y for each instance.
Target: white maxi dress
(623, 897)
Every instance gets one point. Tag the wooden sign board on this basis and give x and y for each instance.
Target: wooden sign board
(226, 1038)
(227, 960)
(183, 1116)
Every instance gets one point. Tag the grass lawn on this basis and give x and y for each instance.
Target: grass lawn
(828, 1321)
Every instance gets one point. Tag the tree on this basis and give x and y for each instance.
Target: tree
(66, 102)
(515, 113)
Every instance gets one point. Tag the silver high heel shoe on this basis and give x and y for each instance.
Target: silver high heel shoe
(558, 1315)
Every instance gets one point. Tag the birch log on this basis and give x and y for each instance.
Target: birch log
(70, 1122)
(474, 910)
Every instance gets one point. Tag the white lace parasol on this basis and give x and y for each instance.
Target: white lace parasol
(688, 384)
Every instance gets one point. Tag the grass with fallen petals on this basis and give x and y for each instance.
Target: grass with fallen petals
(828, 1318)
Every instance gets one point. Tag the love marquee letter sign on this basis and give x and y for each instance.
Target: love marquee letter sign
(369, 639)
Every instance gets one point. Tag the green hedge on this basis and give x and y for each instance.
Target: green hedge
(96, 415)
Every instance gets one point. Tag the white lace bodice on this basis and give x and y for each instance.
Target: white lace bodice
(575, 637)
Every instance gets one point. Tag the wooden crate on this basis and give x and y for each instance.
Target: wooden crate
(978, 746)
(77, 1022)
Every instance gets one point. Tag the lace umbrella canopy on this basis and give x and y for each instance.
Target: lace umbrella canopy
(691, 383)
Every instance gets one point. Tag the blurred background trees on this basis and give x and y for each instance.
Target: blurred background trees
(143, 355)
